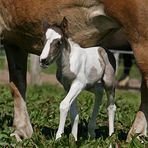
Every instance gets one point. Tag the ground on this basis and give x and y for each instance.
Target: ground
(133, 84)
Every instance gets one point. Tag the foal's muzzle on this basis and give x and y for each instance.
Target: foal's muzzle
(44, 63)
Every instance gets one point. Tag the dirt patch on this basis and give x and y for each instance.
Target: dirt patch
(44, 78)
(133, 84)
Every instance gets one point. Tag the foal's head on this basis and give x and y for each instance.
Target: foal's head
(54, 37)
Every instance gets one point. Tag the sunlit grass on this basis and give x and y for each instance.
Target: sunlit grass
(43, 107)
(134, 72)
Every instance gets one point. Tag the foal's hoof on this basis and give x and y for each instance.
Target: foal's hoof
(91, 135)
(72, 142)
(60, 141)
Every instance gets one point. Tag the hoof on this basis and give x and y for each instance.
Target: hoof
(18, 138)
(72, 142)
(91, 134)
(22, 134)
(124, 82)
(61, 141)
(139, 127)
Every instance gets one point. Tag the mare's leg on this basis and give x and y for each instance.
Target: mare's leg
(141, 119)
(98, 90)
(17, 63)
(74, 91)
(21, 119)
(74, 118)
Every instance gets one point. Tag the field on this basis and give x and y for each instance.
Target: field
(43, 107)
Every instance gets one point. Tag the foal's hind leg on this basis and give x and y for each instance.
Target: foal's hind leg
(98, 90)
(111, 108)
(109, 84)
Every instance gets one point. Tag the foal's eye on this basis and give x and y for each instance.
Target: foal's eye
(59, 42)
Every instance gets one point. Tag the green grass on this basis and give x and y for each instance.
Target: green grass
(43, 107)
(51, 69)
(134, 72)
(2, 60)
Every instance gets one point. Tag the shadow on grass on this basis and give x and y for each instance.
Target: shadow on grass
(6, 120)
(102, 131)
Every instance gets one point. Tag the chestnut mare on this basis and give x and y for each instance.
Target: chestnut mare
(133, 16)
(21, 33)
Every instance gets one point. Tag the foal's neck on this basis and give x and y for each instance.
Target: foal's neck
(73, 44)
(67, 47)
(65, 52)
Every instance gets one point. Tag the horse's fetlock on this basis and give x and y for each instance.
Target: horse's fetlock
(111, 107)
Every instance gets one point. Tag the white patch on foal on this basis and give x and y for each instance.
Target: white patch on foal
(80, 57)
(50, 36)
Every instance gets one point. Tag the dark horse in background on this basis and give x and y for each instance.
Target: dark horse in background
(21, 33)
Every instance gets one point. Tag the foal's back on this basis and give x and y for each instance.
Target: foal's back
(95, 62)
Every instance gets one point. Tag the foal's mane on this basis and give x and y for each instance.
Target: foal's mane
(63, 30)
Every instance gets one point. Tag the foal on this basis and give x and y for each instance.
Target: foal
(78, 69)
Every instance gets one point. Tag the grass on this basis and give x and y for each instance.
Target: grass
(43, 107)
(134, 72)
(2, 61)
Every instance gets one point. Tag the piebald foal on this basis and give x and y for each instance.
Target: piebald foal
(78, 69)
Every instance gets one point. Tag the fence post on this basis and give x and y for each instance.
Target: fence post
(34, 70)
(116, 55)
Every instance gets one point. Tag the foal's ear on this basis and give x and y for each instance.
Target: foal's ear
(64, 24)
(45, 25)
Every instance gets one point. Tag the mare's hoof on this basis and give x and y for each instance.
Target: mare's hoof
(17, 137)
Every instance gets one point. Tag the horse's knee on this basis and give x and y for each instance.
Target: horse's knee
(64, 106)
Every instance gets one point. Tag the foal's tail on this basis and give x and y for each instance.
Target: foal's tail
(111, 59)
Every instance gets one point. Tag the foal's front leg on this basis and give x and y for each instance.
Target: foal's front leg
(74, 91)
(74, 118)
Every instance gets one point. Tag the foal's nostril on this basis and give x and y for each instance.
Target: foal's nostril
(43, 61)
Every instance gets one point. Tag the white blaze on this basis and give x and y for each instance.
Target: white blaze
(50, 36)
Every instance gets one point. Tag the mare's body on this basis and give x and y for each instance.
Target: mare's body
(21, 30)
(133, 16)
